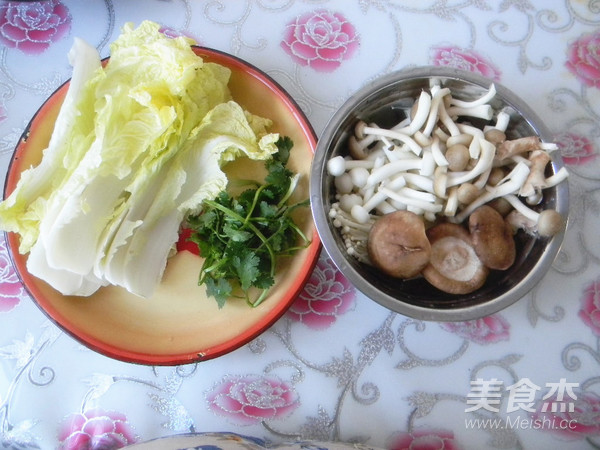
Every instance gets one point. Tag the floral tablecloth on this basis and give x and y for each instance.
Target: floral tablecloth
(337, 366)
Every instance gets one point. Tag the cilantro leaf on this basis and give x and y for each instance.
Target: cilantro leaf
(242, 238)
(220, 289)
(246, 267)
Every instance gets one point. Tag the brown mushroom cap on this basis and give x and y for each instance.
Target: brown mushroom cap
(492, 238)
(453, 267)
(398, 245)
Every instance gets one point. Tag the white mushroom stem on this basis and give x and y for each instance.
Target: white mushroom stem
(477, 136)
(341, 219)
(361, 211)
(484, 162)
(368, 191)
(459, 139)
(485, 98)
(438, 97)
(428, 165)
(409, 201)
(557, 178)
(485, 112)
(393, 168)
(421, 114)
(511, 184)
(547, 223)
(518, 205)
(414, 193)
(357, 148)
(452, 202)
(517, 221)
(419, 181)
(440, 181)
(436, 151)
(338, 165)
(447, 120)
(502, 121)
(548, 146)
(396, 135)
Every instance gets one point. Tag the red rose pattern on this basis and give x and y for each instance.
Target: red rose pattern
(11, 289)
(321, 40)
(583, 59)
(464, 59)
(423, 440)
(326, 295)
(251, 399)
(575, 149)
(32, 27)
(589, 310)
(486, 330)
(96, 430)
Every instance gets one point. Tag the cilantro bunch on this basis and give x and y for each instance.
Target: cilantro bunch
(241, 238)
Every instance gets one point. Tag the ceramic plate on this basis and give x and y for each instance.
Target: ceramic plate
(179, 324)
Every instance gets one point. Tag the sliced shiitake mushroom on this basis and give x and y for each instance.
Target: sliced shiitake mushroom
(398, 244)
(492, 238)
(453, 267)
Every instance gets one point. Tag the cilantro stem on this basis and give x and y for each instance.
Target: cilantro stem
(250, 225)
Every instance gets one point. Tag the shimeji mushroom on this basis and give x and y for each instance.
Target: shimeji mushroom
(537, 181)
(518, 146)
(338, 165)
(432, 164)
(547, 223)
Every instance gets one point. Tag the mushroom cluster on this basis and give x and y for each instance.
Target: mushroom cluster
(440, 197)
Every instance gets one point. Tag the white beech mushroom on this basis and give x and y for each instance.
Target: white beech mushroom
(546, 223)
(412, 167)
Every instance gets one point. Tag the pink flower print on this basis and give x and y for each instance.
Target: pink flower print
(32, 27)
(570, 418)
(583, 59)
(464, 59)
(96, 429)
(11, 289)
(320, 39)
(326, 295)
(575, 149)
(423, 440)
(589, 310)
(486, 330)
(251, 399)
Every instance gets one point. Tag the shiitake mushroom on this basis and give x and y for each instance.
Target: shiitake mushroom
(454, 267)
(492, 238)
(398, 244)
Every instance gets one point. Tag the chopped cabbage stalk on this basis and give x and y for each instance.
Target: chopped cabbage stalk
(138, 145)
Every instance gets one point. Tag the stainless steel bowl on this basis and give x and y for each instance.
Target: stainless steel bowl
(385, 102)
